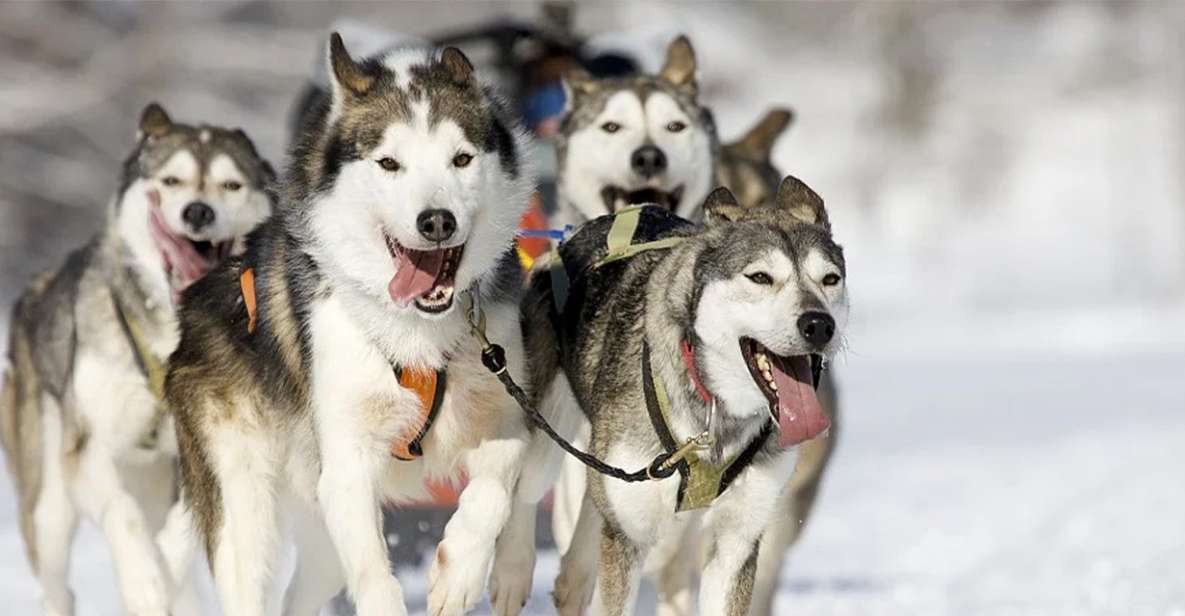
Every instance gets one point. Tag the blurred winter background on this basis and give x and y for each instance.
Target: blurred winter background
(1008, 180)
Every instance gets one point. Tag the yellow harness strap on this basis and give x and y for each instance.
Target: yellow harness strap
(621, 237)
(151, 365)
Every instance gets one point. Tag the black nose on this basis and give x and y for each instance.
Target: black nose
(436, 225)
(816, 327)
(198, 215)
(648, 161)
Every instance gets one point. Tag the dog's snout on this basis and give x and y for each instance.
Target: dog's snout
(817, 327)
(436, 225)
(648, 161)
(198, 215)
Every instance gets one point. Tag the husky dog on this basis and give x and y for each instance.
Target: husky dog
(291, 384)
(667, 325)
(81, 419)
(641, 139)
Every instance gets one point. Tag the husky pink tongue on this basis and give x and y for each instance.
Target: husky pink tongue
(416, 272)
(180, 257)
(800, 416)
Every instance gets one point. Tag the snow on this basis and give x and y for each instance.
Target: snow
(1005, 177)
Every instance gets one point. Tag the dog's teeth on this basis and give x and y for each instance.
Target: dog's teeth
(772, 384)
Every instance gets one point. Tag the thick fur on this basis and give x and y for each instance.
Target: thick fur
(695, 291)
(290, 427)
(76, 408)
(607, 120)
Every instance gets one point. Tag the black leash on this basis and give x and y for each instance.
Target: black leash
(493, 357)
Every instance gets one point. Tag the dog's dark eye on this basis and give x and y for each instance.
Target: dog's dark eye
(171, 180)
(676, 126)
(388, 163)
(611, 127)
(760, 278)
(231, 185)
(830, 280)
(462, 160)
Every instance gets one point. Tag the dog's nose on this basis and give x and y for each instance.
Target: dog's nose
(198, 215)
(436, 225)
(648, 161)
(817, 328)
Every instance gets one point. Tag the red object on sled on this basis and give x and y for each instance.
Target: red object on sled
(534, 219)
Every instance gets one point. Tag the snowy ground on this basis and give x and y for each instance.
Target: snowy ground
(961, 486)
(1006, 178)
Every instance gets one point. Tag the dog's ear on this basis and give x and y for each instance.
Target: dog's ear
(577, 83)
(798, 200)
(721, 204)
(154, 122)
(458, 66)
(758, 143)
(679, 68)
(349, 78)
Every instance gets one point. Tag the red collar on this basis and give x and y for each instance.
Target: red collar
(693, 372)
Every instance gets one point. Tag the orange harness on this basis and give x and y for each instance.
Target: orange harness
(428, 385)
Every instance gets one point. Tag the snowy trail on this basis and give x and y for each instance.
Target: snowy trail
(961, 486)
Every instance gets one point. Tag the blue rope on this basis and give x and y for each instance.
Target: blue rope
(551, 234)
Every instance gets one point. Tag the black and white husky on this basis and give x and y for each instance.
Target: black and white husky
(640, 139)
(721, 327)
(81, 414)
(290, 385)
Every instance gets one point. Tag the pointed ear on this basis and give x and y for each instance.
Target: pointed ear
(721, 204)
(577, 82)
(759, 142)
(154, 122)
(798, 200)
(679, 68)
(348, 76)
(458, 66)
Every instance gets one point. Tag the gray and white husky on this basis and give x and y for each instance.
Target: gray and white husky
(82, 427)
(726, 322)
(402, 199)
(641, 139)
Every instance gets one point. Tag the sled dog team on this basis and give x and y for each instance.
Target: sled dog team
(307, 349)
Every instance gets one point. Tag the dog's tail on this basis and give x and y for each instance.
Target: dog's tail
(20, 426)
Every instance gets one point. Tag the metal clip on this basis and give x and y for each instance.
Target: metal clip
(702, 442)
(477, 318)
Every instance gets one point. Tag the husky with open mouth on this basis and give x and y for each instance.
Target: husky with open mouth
(712, 338)
(81, 415)
(332, 369)
(632, 140)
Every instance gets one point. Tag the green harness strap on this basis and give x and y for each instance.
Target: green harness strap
(150, 366)
(702, 483)
(621, 237)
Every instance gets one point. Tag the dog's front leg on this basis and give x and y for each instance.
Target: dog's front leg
(103, 496)
(463, 557)
(733, 527)
(348, 496)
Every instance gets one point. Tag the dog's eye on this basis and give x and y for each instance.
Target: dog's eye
(171, 180)
(760, 278)
(231, 185)
(611, 127)
(830, 280)
(676, 126)
(388, 163)
(462, 160)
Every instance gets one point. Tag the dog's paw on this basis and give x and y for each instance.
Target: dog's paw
(146, 594)
(456, 579)
(573, 590)
(510, 581)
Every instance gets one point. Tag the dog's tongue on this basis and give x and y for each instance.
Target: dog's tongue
(800, 416)
(416, 272)
(181, 259)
